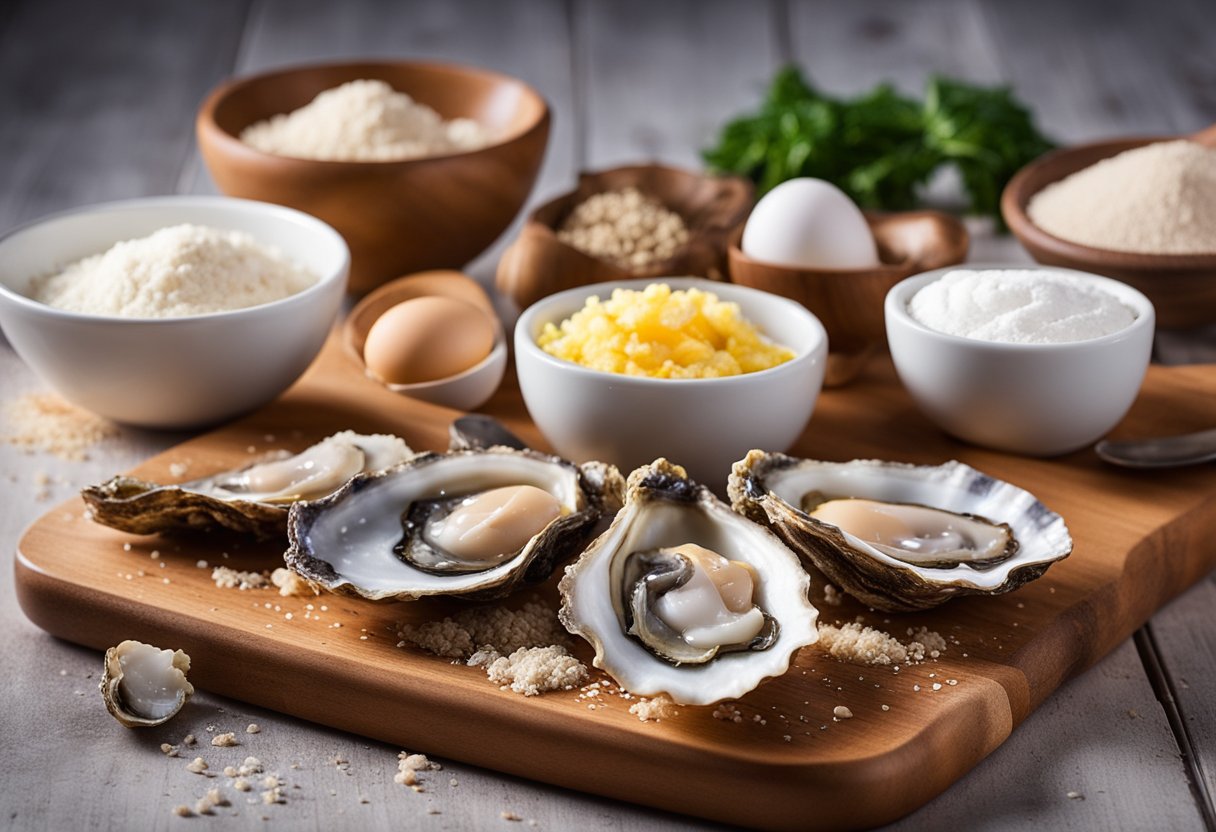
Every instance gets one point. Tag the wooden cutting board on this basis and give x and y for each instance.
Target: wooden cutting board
(1141, 538)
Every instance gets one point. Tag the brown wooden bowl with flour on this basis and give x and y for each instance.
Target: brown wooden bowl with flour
(1182, 287)
(849, 302)
(401, 216)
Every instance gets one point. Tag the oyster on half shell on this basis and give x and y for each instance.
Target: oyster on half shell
(685, 597)
(473, 523)
(251, 500)
(901, 537)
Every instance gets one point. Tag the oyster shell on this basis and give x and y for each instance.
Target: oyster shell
(901, 537)
(144, 686)
(251, 500)
(725, 633)
(473, 523)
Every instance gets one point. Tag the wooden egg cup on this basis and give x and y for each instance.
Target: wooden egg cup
(850, 302)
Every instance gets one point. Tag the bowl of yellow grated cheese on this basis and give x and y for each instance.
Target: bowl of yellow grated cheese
(693, 370)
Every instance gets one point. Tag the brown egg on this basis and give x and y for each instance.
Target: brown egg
(425, 339)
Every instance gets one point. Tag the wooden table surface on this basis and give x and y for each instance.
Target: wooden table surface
(97, 103)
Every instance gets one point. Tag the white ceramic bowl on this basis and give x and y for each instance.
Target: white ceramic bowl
(1035, 399)
(170, 372)
(703, 424)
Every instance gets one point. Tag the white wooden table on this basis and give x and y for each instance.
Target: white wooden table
(97, 102)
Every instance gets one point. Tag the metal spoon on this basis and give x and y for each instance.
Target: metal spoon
(1162, 452)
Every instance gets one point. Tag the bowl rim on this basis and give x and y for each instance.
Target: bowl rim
(1016, 197)
(205, 122)
(895, 307)
(246, 206)
(536, 313)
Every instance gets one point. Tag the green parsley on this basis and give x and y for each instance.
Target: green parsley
(881, 148)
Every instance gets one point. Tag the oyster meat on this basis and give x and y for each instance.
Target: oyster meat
(251, 500)
(144, 686)
(685, 597)
(474, 523)
(901, 537)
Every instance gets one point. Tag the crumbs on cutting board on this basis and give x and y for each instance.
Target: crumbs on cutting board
(523, 650)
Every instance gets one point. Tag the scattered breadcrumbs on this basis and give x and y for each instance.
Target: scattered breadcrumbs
(189, 740)
(509, 816)
(228, 578)
(727, 713)
(252, 765)
(408, 766)
(658, 708)
(168, 750)
(854, 642)
(502, 629)
(224, 740)
(252, 728)
(44, 481)
(182, 811)
(45, 422)
(289, 583)
(531, 670)
(832, 596)
(213, 798)
(842, 712)
(198, 765)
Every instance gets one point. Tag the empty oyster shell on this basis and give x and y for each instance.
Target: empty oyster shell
(901, 537)
(685, 597)
(144, 686)
(473, 523)
(251, 500)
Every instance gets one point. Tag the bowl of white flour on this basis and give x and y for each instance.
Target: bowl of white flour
(171, 312)
(1037, 361)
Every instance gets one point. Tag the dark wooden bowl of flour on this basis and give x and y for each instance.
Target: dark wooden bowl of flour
(1182, 287)
(398, 217)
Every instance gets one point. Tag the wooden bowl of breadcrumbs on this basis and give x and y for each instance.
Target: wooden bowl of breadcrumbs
(1182, 287)
(436, 211)
(636, 222)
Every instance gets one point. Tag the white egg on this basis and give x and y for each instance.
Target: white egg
(809, 223)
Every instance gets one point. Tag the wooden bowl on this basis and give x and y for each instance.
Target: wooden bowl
(1182, 287)
(397, 217)
(850, 302)
(538, 264)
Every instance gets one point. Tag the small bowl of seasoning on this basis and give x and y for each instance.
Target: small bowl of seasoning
(418, 165)
(1142, 211)
(171, 312)
(636, 222)
(689, 369)
(432, 336)
(808, 242)
(1036, 361)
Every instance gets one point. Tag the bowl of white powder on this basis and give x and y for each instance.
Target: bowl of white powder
(171, 312)
(1036, 361)
(420, 166)
(1139, 210)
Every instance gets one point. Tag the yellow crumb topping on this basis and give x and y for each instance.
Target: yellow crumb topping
(660, 333)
